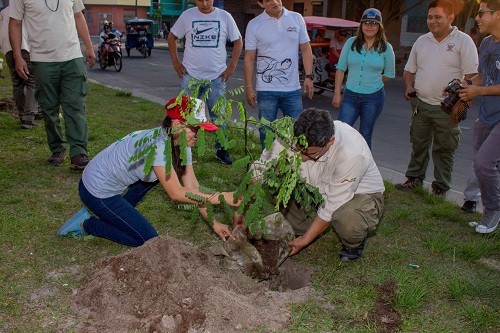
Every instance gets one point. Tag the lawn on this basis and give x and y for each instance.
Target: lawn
(423, 261)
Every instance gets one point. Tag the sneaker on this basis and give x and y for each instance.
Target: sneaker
(489, 222)
(74, 224)
(352, 254)
(438, 191)
(469, 206)
(223, 156)
(57, 157)
(27, 124)
(79, 162)
(410, 184)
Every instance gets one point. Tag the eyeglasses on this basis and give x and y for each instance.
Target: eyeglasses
(313, 157)
(481, 12)
(370, 24)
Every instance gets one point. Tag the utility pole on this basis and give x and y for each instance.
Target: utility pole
(135, 8)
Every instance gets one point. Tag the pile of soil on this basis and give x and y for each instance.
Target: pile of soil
(169, 285)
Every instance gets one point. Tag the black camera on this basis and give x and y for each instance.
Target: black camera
(452, 89)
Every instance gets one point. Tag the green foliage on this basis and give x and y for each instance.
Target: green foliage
(281, 179)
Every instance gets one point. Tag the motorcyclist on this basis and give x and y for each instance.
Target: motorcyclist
(114, 31)
(106, 36)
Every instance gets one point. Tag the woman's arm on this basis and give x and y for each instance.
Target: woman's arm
(190, 182)
(177, 192)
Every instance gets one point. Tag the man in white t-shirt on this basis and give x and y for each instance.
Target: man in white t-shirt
(206, 29)
(59, 68)
(273, 39)
(436, 58)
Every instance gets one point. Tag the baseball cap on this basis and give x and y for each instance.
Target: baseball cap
(372, 15)
(190, 110)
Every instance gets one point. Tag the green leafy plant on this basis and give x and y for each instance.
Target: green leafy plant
(280, 180)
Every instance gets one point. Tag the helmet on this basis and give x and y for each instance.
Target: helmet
(105, 22)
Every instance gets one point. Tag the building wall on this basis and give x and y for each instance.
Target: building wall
(96, 14)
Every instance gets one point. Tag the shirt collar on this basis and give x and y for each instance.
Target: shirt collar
(285, 12)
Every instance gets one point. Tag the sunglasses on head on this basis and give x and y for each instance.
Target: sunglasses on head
(480, 13)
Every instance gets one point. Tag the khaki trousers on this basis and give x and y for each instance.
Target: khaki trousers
(352, 221)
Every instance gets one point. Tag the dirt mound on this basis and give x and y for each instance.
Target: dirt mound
(169, 285)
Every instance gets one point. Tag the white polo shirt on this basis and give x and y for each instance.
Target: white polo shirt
(52, 34)
(435, 63)
(277, 43)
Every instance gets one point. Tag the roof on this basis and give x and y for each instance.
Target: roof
(319, 22)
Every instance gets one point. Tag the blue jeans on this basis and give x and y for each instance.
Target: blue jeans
(118, 219)
(289, 102)
(212, 91)
(367, 107)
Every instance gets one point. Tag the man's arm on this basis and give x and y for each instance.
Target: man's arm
(315, 229)
(307, 60)
(248, 72)
(172, 48)
(237, 47)
(83, 31)
(409, 79)
(15, 38)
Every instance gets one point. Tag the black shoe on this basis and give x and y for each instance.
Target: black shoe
(352, 254)
(410, 184)
(469, 206)
(27, 124)
(223, 156)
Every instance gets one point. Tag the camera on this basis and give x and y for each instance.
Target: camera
(452, 89)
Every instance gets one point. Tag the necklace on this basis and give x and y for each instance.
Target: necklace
(52, 10)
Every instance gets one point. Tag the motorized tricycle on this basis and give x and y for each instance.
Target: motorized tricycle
(113, 51)
(139, 36)
(323, 71)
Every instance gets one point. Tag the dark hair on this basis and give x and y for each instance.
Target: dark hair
(176, 150)
(316, 125)
(492, 4)
(447, 6)
(380, 44)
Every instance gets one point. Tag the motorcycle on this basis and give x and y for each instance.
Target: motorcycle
(114, 54)
(324, 77)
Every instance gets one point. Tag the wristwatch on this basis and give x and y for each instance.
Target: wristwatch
(309, 76)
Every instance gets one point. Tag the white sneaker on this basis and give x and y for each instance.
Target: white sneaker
(489, 222)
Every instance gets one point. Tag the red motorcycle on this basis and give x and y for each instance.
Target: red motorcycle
(113, 51)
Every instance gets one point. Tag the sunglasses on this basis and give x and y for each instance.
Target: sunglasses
(481, 12)
(370, 24)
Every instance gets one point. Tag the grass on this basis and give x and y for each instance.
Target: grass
(449, 291)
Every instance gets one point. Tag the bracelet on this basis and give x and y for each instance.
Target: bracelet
(469, 82)
(249, 85)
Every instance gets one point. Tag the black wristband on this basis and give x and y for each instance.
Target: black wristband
(469, 82)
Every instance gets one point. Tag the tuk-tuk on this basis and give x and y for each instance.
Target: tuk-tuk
(139, 36)
(324, 75)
